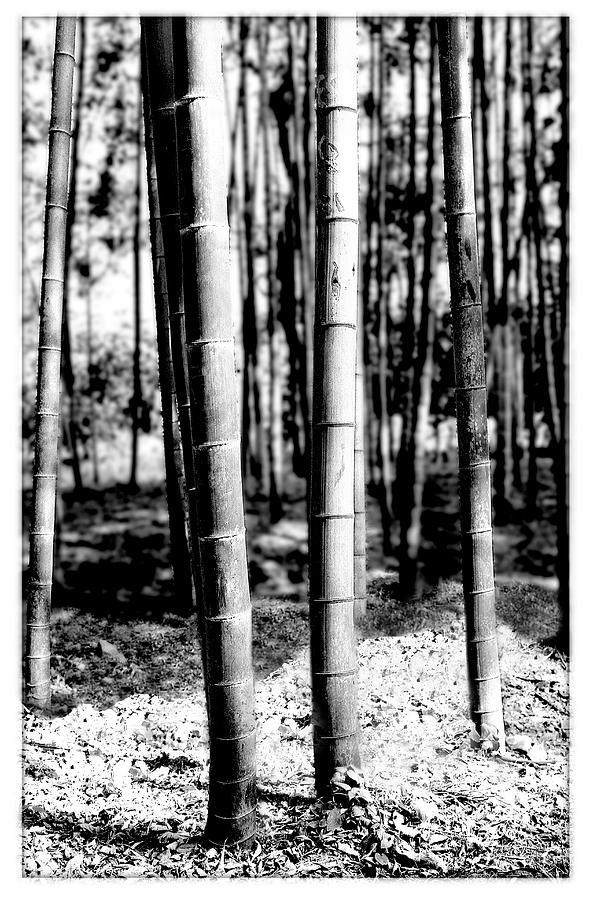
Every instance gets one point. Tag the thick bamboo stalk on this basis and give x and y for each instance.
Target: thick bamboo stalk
(173, 456)
(471, 391)
(45, 464)
(333, 647)
(201, 134)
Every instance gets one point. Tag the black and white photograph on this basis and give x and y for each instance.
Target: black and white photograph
(294, 350)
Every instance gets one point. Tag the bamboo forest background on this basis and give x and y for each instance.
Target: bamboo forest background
(110, 397)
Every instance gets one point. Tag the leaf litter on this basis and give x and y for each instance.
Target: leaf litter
(115, 780)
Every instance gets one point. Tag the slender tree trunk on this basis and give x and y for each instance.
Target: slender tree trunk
(173, 456)
(68, 375)
(414, 434)
(561, 451)
(503, 338)
(45, 465)
(200, 128)
(545, 350)
(274, 442)
(360, 494)
(157, 33)
(471, 391)
(90, 368)
(403, 497)
(380, 314)
(333, 646)
(137, 397)
(367, 256)
(302, 276)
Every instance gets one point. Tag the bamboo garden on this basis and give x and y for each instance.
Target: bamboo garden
(326, 297)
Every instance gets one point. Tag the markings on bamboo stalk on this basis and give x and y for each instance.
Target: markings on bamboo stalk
(335, 282)
(325, 89)
(328, 154)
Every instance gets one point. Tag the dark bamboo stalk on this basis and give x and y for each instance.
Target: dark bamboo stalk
(562, 350)
(45, 464)
(503, 332)
(274, 442)
(68, 375)
(201, 133)
(137, 397)
(157, 33)
(412, 468)
(471, 391)
(360, 494)
(331, 563)
(173, 456)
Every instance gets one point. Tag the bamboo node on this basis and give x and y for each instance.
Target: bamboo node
(197, 226)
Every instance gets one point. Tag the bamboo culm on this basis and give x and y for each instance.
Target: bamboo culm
(45, 464)
(471, 391)
(331, 606)
(215, 420)
(173, 456)
(157, 34)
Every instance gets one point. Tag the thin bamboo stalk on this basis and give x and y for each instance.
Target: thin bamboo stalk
(157, 33)
(45, 464)
(360, 496)
(201, 134)
(274, 435)
(331, 607)
(173, 456)
(471, 391)
(137, 398)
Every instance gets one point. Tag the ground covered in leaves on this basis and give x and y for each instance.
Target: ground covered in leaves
(115, 781)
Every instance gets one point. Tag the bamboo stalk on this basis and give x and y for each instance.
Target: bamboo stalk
(157, 33)
(45, 464)
(360, 496)
(471, 391)
(201, 134)
(173, 455)
(274, 435)
(331, 607)
(137, 398)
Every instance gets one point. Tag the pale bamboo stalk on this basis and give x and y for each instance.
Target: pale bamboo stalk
(45, 464)
(471, 391)
(331, 607)
(201, 134)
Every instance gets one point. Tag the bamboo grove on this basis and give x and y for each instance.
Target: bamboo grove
(318, 335)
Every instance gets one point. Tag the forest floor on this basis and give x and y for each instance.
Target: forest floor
(115, 779)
